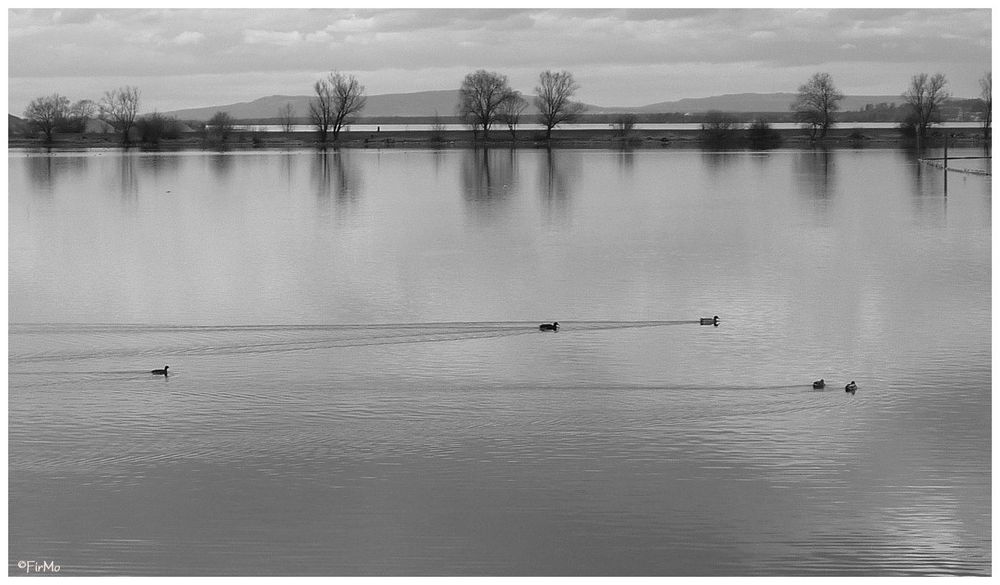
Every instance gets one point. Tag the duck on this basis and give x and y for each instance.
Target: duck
(162, 372)
(819, 383)
(549, 326)
(852, 387)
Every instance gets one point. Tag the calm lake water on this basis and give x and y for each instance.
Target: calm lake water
(358, 384)
(501, 129)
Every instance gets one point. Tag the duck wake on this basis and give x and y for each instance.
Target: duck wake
(61, 342)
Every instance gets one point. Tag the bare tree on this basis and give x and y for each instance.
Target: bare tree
(553, 100)
(986, 95)
(151, 128)
(437, 128)
(338, 97)
(624, 124)
(719, 128)
(480, 98)
(510, 111)
(321, 108)
(119, 108)
(816, 104)
(220, 126)
(79, 113)
(47, 113)
(287, 117)
(925, 96)
(349, 99)
(761, 135)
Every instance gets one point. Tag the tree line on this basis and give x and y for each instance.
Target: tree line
(119, 108)
(818, 101)
(486, 100)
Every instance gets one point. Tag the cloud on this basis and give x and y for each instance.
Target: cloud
(267, 37)
(74, 16)
(399, 47)
(188, 37)
(351, 24)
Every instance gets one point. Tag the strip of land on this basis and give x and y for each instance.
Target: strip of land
(561, 138)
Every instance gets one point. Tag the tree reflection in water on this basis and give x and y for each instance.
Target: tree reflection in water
(488, 179)
(335, 180)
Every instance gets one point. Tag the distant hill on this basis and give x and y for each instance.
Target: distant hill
(757, 102)
(442, 102)
(739, 102)
(16, 125)
(424, 103)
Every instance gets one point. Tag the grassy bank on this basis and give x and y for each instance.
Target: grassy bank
(561, 138)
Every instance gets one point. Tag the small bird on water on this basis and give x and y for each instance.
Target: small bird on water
(852, 387)
(819, 383)
(162, 372)
(549, 326)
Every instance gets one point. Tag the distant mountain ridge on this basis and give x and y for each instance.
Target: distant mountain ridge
(443, 102)
(424, 103)
(759, 102)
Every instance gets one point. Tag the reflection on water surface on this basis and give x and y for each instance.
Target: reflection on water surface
(358, 385)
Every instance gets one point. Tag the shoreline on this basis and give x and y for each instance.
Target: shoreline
(561, 138)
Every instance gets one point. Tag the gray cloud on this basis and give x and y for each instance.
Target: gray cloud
(394, 47)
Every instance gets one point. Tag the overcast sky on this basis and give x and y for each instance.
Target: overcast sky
(190, 58)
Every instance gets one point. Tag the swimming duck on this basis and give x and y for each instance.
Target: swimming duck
(819, 383)
(162, 372)
(852, 387)
(549, 326)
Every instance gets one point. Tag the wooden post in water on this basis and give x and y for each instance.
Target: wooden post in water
(944, 168)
